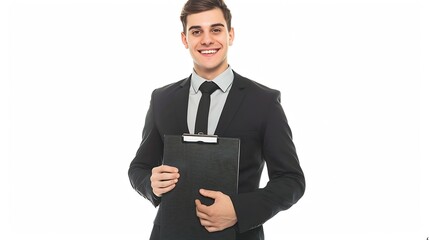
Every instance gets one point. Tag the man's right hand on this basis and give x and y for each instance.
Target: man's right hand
(164, 179)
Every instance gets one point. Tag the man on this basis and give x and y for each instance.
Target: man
(240, 108)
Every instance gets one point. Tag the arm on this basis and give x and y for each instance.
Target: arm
(148, 156)
(286, 185)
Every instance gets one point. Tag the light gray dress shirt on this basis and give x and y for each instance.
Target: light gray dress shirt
(217, 99)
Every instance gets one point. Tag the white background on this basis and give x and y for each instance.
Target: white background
(76, 77)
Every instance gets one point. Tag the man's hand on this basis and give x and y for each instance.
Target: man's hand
(218, 216)
(164, 179)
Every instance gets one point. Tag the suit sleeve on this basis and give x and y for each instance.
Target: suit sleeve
(286, 179)
(148, 156)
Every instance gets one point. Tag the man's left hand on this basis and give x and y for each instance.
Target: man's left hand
(218, 216)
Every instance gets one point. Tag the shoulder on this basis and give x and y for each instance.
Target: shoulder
(255, 88)
(172, 88)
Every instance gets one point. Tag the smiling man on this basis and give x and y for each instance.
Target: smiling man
(207, 35)
(239, 108)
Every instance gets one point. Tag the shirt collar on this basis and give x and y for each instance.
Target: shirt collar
(224, 80)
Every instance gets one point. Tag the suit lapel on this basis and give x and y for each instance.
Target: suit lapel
(181, 105)
(232, 104)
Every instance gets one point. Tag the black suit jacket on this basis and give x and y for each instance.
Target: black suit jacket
(253, 113)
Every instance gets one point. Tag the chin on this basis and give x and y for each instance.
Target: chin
(213, 65)
(207, 68)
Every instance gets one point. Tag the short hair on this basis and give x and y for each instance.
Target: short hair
(197, 6)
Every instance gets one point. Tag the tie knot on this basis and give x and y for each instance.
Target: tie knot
(208, 87)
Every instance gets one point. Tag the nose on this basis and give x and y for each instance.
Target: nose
(206, 39)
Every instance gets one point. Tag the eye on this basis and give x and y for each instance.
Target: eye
(216, 30)
(196, 32)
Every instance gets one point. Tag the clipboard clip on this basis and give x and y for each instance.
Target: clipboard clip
(199, 138)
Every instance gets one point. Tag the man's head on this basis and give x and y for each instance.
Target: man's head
(207, 33)
(197, 6)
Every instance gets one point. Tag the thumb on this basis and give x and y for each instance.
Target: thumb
(209, 193)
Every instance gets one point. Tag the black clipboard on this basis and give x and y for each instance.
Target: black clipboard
(204, 161)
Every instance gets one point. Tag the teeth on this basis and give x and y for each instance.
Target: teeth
(208, 51)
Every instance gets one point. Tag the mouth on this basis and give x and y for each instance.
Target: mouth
(208, 52)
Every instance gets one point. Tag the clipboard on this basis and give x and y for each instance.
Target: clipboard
(204, 161)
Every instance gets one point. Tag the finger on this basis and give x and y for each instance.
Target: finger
(169, 176)
(160, 191)
(204, 219)
(164, 184)
(167, 189)
(201, 207)
(163, 169)
(206, 223)
(212, 229)
(202, 215)
(166, 168)
(164, 176)
(210, 193)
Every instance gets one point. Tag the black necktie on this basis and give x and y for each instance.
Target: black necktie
(207, 88)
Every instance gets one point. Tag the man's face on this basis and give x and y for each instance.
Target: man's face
(208, 39)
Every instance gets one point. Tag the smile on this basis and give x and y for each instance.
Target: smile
(209, 51)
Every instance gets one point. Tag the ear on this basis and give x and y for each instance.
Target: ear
(184, 40)
(231, 35)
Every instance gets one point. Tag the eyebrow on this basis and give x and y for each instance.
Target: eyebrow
(213, 25)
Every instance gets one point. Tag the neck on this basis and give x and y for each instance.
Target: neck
(210, 74)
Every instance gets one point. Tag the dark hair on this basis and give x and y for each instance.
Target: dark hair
(197, 6)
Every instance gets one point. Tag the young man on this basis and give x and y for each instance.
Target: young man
(240, 108)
